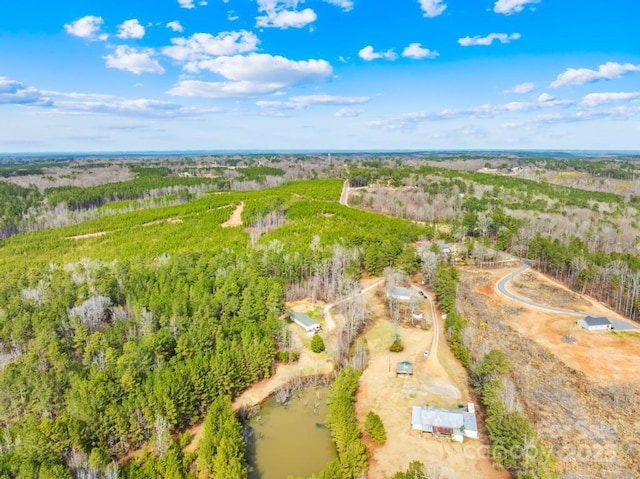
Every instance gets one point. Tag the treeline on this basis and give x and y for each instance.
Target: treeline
(258, 173)
(15, 202)
(147, 179)
(514, 442)
(613, 278)
(446, 282)
(407, 175)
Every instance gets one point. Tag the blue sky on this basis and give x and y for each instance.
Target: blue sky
(115, 75)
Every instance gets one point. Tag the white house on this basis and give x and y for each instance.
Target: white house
(592, 323)
(305, 321)
(454, 423)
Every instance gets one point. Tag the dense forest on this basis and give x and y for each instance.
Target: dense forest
(129, 313)
(114, 340)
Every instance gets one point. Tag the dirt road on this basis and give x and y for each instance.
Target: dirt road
(236, 217)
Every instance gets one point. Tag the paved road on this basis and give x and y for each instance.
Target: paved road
(502, 288)
(345, 193)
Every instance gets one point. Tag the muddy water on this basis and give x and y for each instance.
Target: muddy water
(291, 440)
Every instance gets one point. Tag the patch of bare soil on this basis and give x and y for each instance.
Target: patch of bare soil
(438, 383)
(536, 287)
(87, 235)
(604, 357)
(577, 396)
(236, 217)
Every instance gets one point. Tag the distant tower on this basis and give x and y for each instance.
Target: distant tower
(329, 157)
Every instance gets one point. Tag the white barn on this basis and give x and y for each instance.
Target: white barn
(592, 323)
(454, 423)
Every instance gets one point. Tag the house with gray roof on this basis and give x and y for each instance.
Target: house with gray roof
(595, 323)
(402, 294)
(451, 423)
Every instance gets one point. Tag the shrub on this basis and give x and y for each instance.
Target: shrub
(396, 346)
(374, 427)
(317, 344)
(287, 357)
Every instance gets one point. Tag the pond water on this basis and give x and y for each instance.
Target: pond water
(292, 439)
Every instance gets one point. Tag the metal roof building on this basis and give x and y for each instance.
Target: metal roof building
(441, 422)
(404, 367)
(305, 321)
(402, 294)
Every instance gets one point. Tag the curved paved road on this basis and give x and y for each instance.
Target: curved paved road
(502, 288)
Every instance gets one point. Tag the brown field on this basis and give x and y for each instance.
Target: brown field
(441, 383)
(567, 391)
(604, 357)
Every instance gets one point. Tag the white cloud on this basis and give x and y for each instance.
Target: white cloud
(283, 14)
(136, 61)
(522, 88)
(186, 4)
(200, 46)
(597, 99)
(137, 107)
(300, 102)
(176, 26)
(346, 5)
(87, 27)
(253, 74)
(349, 112)
(368, 54)
(432, 8)
(232, 16)
(580, 76)
(226, 89)
(508, 7)
(130, 29)
(544, 101)
(488, 40)
(15, 93)
(266, 68)
(415, 51)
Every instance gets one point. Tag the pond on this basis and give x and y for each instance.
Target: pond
(292, 439)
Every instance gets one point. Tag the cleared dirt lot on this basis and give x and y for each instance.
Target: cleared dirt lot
(590, 424)
(443, 384)
(604, 357)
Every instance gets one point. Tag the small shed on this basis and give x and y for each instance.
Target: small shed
(305, 321)
(405, 368)
(595, 323)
